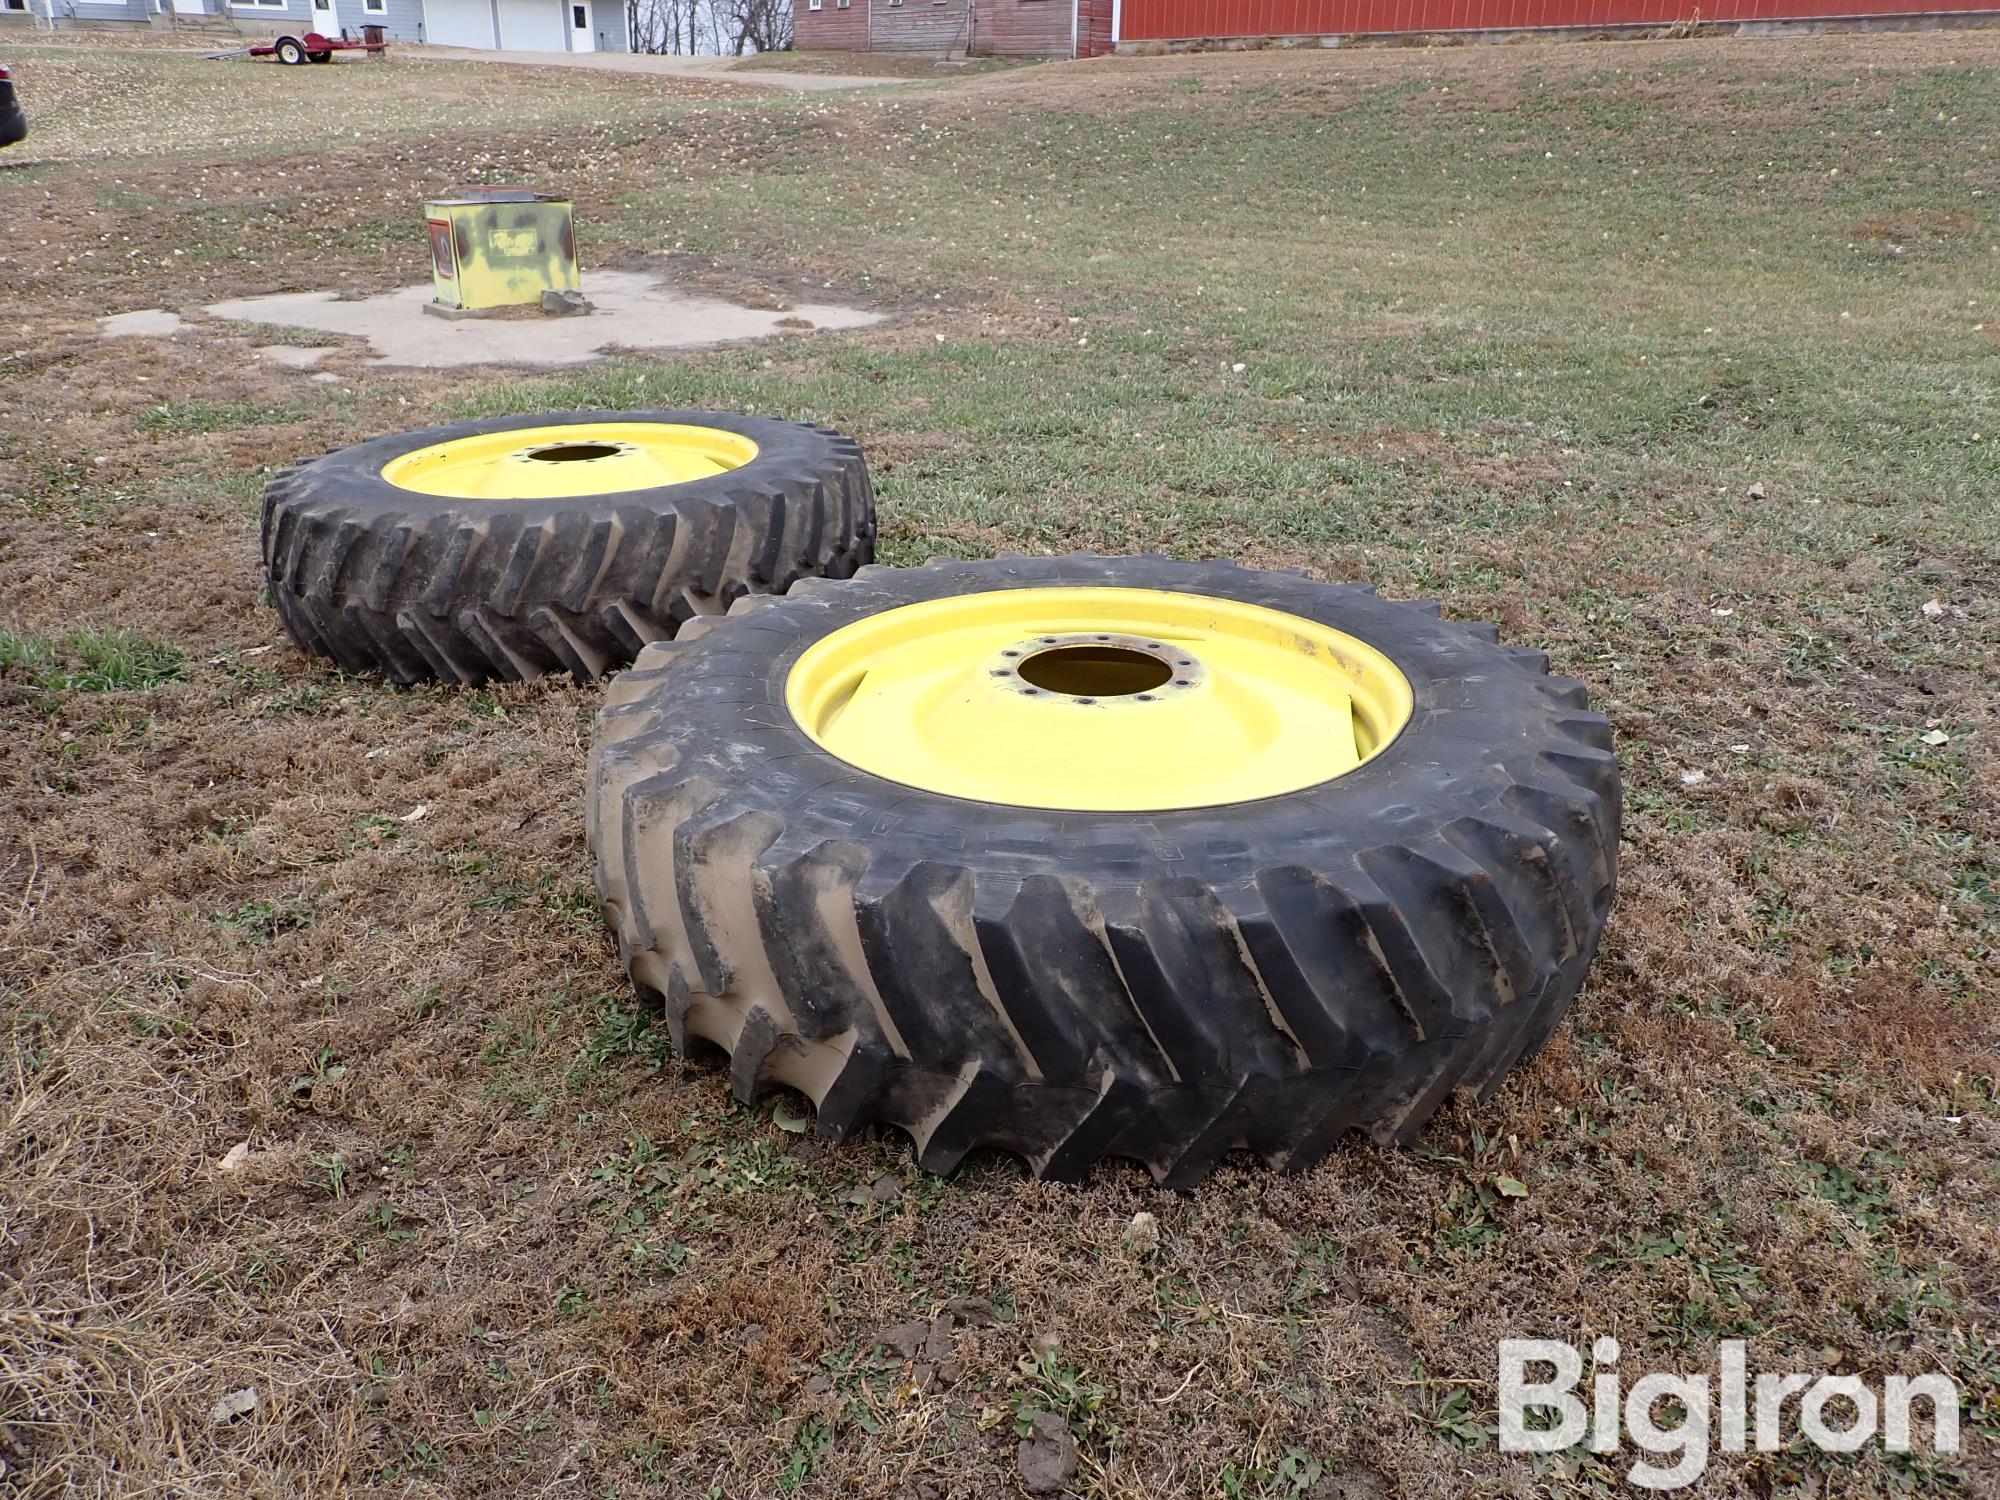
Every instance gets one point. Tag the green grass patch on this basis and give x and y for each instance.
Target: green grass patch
(91, 661)
(181, 417)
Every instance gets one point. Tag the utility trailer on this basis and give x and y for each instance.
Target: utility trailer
(312, 47)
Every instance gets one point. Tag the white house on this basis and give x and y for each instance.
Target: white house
(508, 25)
(524, 25)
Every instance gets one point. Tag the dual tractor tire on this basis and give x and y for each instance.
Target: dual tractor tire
(1075, 981)
(515, 547)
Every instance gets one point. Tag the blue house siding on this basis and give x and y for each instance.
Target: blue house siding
(102, 10)
(403, 19)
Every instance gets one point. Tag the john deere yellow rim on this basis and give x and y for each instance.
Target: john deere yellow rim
(547, 463)
(1098, 699)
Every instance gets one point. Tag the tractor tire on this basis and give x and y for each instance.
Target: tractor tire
(290, 51)
(1069, 983)
(384, 556)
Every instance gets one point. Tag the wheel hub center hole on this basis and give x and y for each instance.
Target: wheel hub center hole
(574, 453)
(1095, 671)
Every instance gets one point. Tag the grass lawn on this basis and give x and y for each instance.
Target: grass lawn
(872, 64)
(1679, 360)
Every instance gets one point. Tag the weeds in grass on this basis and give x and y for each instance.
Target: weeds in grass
(1296, 1473)
(1052, 1384)
(810, 1440)
(621, 1032)
(91, 661)
(334, 1166)
(255, 922)
(321, 1069)
(182, 417)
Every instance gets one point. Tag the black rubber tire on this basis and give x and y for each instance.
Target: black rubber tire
(291, 52)
(420, 587)
(1066, 986)
(319, 57)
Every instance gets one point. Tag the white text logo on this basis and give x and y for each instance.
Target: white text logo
(1835, 1413)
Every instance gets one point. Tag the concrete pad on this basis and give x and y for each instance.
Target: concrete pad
(148, 322)
(292, 356)
(635, 310)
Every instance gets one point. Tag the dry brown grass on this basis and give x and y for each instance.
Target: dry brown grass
(873, 64)
(485, 1237)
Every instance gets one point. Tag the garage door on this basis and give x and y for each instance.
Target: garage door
(458, 23)
(533, 26)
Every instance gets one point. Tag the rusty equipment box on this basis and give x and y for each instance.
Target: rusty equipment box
(500, 247)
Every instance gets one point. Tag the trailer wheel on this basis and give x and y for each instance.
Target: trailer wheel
(319, 57)
(1082, 857)
(517, 546)
(291, 51)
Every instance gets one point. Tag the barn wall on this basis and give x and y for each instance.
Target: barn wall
(1093, 32)
(984, 28)
(832, 28)
(919, 25)
(1021, 28)
(1173, 20)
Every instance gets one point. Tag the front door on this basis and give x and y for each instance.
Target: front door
(580, 39)
(322, 18)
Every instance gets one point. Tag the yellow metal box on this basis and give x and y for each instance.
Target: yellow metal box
(500, 247)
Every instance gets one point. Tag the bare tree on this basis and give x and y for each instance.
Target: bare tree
(710, 27)
(758, 25)
(678, 27)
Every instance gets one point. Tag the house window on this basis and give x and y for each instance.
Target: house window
(812, 4)
(256, 4)
(375, 7)
(842, 4)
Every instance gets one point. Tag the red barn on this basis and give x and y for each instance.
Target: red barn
(1086, 28)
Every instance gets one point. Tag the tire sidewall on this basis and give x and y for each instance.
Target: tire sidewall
(1479, 723)
(354, 474)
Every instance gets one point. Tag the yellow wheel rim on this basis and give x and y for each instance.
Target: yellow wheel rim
(584, 458)
(1098, 699)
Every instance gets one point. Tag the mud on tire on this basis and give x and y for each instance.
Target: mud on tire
(418, 586)
(1163, 986)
